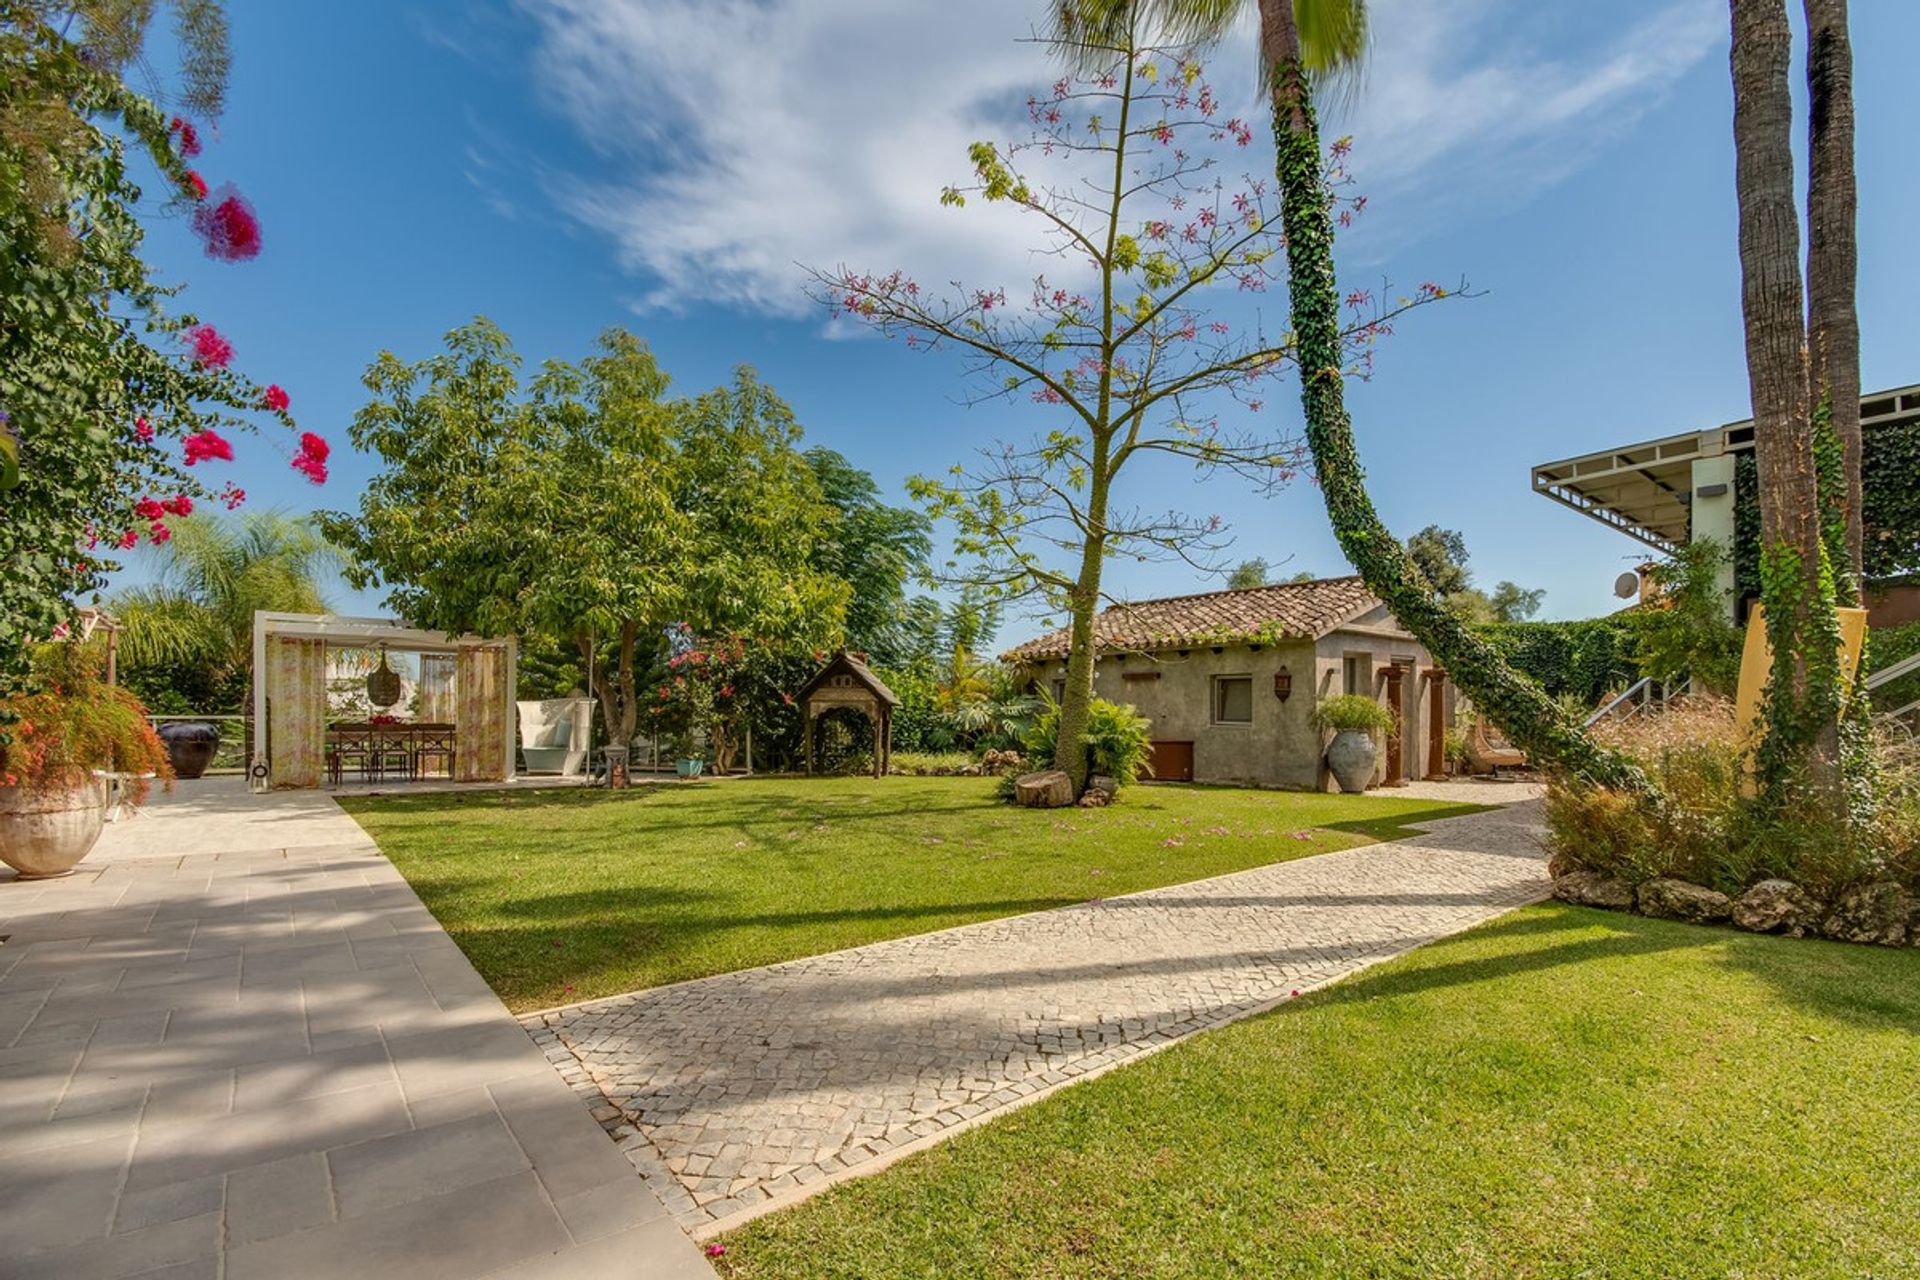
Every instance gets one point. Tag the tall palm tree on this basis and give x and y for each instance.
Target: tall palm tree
(214, 573)
(1833, 323)
(1306, 44)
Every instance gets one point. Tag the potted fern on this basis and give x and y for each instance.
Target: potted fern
(1353, 719)
(58, 734)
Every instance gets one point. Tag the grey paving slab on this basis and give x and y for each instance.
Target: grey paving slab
(236, 1044)
(745, 1091)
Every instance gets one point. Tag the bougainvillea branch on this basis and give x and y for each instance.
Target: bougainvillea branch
(98, 378)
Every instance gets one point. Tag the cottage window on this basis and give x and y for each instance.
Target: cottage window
(1233, 699)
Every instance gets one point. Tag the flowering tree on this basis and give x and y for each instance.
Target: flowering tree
(1146, 228)
(108, 402)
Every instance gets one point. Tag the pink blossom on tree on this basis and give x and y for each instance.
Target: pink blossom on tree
(202, 445)
(210, 350)
(227, 226)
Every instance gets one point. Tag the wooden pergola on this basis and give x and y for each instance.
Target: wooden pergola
(847, 681)
(289, 693)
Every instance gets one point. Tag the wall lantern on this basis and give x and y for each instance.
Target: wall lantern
(1282, 683)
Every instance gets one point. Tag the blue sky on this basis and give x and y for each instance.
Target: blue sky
(565, 165)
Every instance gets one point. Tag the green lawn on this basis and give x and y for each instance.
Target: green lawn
(1562, 1093)
(565, 895)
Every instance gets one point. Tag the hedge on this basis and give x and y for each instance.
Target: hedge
(1587, 659)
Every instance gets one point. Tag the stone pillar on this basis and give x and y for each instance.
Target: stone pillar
(1436, 724)
(1712, 515)
(1396, 702)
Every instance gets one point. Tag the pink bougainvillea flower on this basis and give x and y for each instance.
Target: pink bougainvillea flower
(127, 540)
(716, 1251)
(148, 509)
(227, 226)
(142, 429)
(274, 398)
(207, 444)
(159, 532)
(196, 185)
(179, 505)
(312, 459)
(210, 350)
(189, 137)
(60, 631)
(232, 495)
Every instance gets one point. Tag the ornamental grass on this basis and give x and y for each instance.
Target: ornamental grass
(1702, 828)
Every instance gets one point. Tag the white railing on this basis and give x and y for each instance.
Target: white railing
(1644, 694)
(1886, 675)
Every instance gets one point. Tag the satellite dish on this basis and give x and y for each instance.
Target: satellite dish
(1627, 586)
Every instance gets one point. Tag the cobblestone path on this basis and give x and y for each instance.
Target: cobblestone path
(737, 1093)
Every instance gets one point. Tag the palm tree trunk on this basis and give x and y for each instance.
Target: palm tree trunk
(1802, 715)
(1833, 324)
(1532, 720)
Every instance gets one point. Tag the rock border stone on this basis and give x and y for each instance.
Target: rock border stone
(1880, 913)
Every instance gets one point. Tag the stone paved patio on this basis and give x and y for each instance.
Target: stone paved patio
(739, 1093)
(235, 1044)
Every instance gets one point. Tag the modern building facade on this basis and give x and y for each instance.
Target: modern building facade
(1691, 486)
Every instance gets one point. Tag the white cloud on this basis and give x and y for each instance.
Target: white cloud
(737, 139)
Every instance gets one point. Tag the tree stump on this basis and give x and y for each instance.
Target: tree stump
(1051, 789)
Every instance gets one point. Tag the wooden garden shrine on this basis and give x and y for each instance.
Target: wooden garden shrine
(846, 682)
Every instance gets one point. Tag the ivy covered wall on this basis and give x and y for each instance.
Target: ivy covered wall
(1889, 463)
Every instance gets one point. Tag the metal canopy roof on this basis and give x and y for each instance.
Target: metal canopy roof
(1644, 490)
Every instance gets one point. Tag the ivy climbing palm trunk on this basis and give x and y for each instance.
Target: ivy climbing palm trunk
(1833, 323)
(1796, 576)
(1534, 721)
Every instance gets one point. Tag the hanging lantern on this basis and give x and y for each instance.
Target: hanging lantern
(383, 686)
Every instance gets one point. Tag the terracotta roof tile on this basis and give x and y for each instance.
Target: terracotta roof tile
(1294, 610)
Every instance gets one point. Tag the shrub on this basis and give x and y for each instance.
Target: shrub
(69, 721)
(1701, 828)
(1352, 712)
(1117, 740)
(918, 723)
(1684, 631)
(934, 764)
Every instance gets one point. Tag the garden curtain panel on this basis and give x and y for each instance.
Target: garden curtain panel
(296, 684)
(437, 704)
(480, 712)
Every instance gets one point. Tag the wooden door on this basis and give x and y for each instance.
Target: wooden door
(1172, 761)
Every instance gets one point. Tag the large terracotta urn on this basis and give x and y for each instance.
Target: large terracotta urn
(1350, 758)
(46, 829)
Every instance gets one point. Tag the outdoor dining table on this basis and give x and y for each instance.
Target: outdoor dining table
(409, 750)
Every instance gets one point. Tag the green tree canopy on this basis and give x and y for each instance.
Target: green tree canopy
(878, 550)
(1249, 573)
(588, 507)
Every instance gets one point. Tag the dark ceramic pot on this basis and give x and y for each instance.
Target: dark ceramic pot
(190, 747)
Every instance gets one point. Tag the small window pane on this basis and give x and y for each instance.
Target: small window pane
(1233, 700)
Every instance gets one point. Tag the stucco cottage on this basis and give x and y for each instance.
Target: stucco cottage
(1230, 680)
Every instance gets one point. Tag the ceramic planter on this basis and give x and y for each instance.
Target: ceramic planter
(190, 747)
(687, 767)
(45, 830)
(1351, 757)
